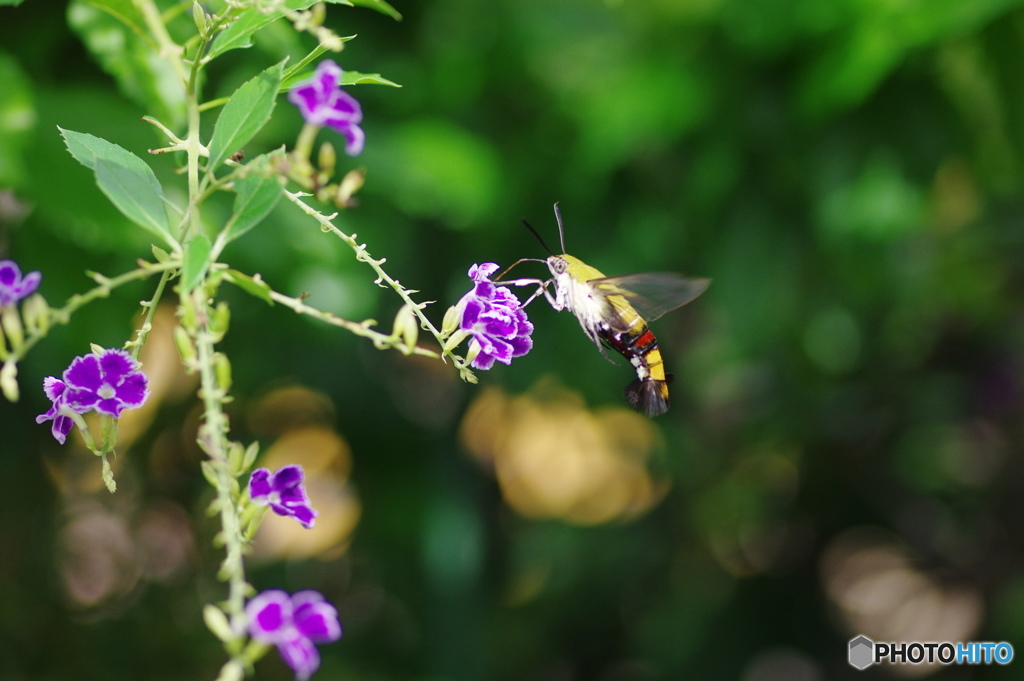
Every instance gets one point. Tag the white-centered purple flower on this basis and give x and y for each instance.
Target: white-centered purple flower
(108, 382)
(294, 624)
(321, 101)
(284, 491)
(60, 412)
(495, 318)
(14, 287)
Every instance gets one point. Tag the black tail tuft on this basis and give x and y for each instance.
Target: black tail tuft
(648, 396)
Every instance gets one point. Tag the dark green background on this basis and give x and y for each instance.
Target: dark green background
(848, 173)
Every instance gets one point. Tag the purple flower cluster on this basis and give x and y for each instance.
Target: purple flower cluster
(108, 382)
(294, 624)
(14, 287)
(495, 318)
(321, 101)
(284, 491)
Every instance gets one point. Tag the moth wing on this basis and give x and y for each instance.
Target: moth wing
(652, 294)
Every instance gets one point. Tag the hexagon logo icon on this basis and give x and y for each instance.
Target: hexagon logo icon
(862, 652)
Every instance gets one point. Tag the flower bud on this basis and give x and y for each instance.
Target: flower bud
(10, 320)
(9, 381)
(236, 453)
(349, 185)
(407, 327)
(219, 321)
(186, 348)
(328, 158)
(251, 452)
(199, 17)
(160, 254)
(217, 622)
(451, 320)
(36, 314)
(222, 371)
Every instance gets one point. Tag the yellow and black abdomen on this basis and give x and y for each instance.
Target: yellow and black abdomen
(648, 393)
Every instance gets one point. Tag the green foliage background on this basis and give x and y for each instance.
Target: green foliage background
(847, 172)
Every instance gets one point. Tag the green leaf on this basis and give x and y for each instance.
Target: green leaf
(136, 194)
(197, 260)
(347, 78)
(253, 285)
(239, 33)
(126, 179)
(245, 114)
(256, 197)
(379, 5)
(356, 78)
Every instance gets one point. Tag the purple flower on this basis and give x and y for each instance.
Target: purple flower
(495, 318)
(14, 287)
(108, 382)
(284, 492)
(56, 391)
(322, 102)
(294, 624)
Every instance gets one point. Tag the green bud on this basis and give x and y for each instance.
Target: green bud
(36, 313)
(349, 185)
(10, 319)
(108, 476)
(454, 340)
(160, 254)
(186, 348)
(200, 18)
(96, 349)
(235, 455)
(9, 381)
(407, 327)
(451, 320)
(251, 452)
(188, 313)
(210, 473)
(328, 159)
(217, 622)
(222, 371)
(231, 671)
(220, 318)
(473, 352)
(4, 354)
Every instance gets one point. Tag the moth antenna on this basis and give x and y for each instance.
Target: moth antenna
(530, 227)
(561, 230)
(509, 268)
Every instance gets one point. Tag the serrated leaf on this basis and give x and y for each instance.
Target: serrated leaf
(245, 114)
(255, 197)
(252, 285)
(136, 194)
(197, 259)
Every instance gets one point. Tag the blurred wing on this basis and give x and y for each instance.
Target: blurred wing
(652, 294)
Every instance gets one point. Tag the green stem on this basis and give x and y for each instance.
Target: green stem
(327, 225)
(213, 437)
(62, 315)
(381, 340)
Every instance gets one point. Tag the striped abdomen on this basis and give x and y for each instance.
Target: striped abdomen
(649, 392)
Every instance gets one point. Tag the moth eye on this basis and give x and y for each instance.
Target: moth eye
(560, 266)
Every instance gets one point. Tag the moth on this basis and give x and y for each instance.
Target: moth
(614, 313)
